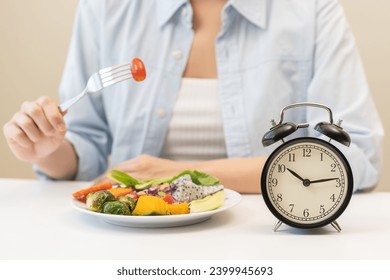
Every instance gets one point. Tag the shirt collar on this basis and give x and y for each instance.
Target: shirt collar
(166, 9)
(253, 10)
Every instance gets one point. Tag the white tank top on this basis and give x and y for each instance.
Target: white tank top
(195, 131)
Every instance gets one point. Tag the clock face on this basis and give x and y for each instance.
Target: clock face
(307, 183)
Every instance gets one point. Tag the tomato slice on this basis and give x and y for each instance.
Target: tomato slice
(138, 70)
(168, 198)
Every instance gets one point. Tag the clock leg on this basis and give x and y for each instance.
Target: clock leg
(336, 226)
(277, 225)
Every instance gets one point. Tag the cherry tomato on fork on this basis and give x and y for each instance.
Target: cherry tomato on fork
(137, 69)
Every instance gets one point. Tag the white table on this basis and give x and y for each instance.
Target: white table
(39, 222)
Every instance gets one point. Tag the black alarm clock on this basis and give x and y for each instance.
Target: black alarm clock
(306, 182)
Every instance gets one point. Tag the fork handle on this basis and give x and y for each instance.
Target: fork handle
(69, 103)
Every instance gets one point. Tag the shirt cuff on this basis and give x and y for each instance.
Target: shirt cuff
(90, 163)
(41, 175)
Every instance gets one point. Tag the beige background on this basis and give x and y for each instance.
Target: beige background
(34, 38)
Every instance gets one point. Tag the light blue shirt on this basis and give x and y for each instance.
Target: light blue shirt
(269, 54)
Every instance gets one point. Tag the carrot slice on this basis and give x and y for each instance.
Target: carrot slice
(82, 199)
(81, 193)
(117, 192)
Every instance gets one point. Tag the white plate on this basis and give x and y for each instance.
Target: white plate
(232, 198)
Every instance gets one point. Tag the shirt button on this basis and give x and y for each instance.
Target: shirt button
(161, 113)
(177, 54)
(184, 12)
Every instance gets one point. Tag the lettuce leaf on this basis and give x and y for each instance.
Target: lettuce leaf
(122, 178)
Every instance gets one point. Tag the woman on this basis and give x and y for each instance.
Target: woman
(219, 71)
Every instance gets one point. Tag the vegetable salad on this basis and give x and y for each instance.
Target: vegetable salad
(190, 191)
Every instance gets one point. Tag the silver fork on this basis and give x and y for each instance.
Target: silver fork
(102, 79)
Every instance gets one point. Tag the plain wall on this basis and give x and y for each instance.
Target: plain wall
(34, 38)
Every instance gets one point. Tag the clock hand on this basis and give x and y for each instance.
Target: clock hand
(323, 180)
(306, 182)
(295, 174)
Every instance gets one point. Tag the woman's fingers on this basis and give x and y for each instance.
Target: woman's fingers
(16, 136)
(46, 116)
(35, 112)
(28, 126)
(35, 121)
(52, 113)
(36, 130)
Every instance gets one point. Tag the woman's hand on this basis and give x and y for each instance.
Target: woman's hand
(36, 131)
(147, 167)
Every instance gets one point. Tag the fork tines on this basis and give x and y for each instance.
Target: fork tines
(115, 74)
